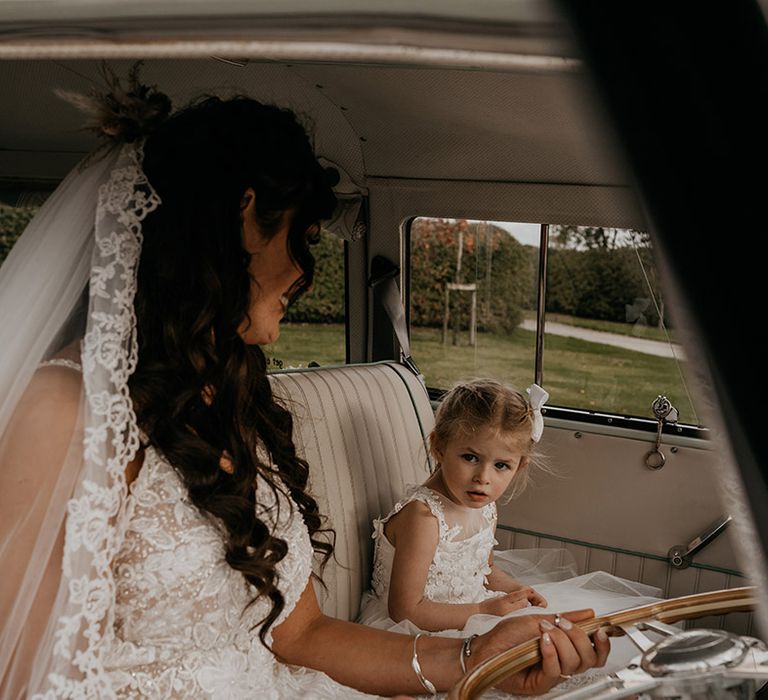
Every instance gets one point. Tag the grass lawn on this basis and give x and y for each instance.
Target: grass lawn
(636, 329)
(302, 343)
(577, 373)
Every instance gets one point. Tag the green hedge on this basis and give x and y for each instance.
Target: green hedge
(588, 274)
(325, 303)
(605, 284)
(502, 268)
(13, 221)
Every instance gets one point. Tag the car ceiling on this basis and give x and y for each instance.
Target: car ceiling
(489, 91)
(529, 125)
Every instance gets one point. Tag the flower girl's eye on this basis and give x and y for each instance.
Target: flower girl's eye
(502, 465)
(469, 457)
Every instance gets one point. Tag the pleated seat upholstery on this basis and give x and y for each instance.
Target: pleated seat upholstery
(362, 429)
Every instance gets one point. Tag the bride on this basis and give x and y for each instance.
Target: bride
(156, 532)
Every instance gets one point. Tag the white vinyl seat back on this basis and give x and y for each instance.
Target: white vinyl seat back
(362, 429)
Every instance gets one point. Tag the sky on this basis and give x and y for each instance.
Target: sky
(527, 234)
(530, 234)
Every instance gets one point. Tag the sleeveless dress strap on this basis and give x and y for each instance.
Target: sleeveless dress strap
(77, 367)
(426, 496)
(62, 362)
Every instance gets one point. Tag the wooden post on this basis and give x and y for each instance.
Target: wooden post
(455, 287)
(457, 280)
(446, 314)
(488, 273)
(473, 319)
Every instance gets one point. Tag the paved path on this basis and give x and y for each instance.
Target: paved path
(629, 342)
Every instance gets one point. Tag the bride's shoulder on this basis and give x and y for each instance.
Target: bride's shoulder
(54, 390)
(43, 425)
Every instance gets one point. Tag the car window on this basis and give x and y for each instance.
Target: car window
(609, 343)
(313, 331)
(472, 298)
(13, 219)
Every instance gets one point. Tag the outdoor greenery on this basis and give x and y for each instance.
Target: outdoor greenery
(590, 276)
(577, 373)
(638, 329)
(325, 303)
(445, 251)
(300, 344)
(13, 220)
(595, 280)
(600, 274)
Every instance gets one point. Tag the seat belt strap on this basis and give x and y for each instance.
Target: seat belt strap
(383, 281)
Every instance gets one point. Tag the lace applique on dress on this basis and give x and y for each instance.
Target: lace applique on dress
(183, 624)
(459, 566)
(454, 577)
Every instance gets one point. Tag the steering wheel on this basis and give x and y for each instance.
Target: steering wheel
(654, 616)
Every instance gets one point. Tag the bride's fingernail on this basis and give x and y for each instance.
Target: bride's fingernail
(546, 625)
(601, 634)
(565, 623)
(546, 639)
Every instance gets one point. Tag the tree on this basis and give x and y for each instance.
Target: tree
(603, 273)
(503, 269)
(325, 303)
(13, 221)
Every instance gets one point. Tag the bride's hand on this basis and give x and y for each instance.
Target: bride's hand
(565, 651)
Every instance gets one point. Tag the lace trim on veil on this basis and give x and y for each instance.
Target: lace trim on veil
(96, 513)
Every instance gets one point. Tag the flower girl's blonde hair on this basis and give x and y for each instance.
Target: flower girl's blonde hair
(479, 404)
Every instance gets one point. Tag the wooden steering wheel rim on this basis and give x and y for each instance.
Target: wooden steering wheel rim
(497, 668)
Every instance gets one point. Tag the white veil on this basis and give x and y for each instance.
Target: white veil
(87, 235)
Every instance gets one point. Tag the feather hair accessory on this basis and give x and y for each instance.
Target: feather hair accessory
(121, 114)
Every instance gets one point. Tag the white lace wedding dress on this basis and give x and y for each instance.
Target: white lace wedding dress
(459, 566)
(183, 627)
(460, 563)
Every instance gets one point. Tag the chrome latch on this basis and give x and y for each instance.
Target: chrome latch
(664, 412)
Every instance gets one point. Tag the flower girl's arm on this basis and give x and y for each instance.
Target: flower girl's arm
(414, 533)
(499, 580)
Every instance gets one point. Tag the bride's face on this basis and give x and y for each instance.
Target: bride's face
(273, 272)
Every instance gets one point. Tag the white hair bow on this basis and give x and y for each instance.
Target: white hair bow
(537, 397)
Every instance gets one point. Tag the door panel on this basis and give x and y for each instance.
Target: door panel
(606, 508)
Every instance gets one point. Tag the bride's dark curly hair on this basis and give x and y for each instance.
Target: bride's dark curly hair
(201, 392)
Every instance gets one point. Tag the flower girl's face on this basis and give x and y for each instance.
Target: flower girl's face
(477, 469)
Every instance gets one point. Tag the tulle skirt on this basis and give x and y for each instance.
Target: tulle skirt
(552, 572)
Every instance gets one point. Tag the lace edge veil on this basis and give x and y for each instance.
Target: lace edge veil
(87, 235)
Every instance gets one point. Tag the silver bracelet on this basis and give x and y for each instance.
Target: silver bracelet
(425, 683)
(465, 652)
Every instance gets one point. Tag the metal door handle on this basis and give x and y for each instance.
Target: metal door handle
(681, 555)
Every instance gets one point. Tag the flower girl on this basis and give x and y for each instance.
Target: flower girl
(434, 568)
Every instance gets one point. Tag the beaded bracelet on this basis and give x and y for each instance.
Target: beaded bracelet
(425, 683)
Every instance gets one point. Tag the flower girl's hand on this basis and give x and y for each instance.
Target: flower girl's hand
(535, 598)
(503, 604)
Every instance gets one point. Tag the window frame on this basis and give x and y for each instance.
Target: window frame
(585, 416)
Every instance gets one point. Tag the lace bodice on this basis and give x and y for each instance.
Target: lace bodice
(183, 627)
(459, 566)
